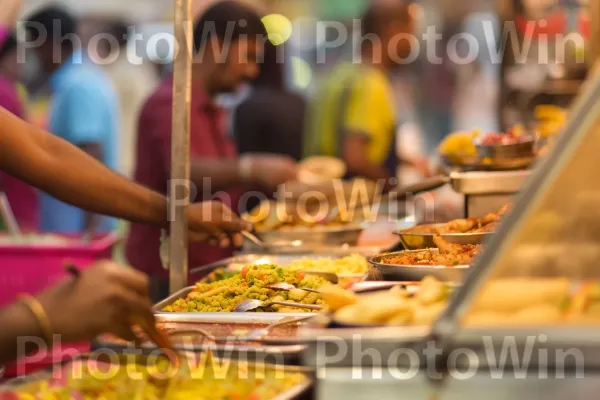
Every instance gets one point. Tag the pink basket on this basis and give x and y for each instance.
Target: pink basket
(30, 268)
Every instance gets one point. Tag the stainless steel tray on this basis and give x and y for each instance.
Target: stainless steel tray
(418, 241)
(293, 393)
(381, 271)
(347, 348)
(261, 258)
(386, 384)
(319, 250)
(280, 351)
(201, 316)
(334, 236)
(479, 182)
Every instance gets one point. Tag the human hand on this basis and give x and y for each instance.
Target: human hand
(104, 299)
(268, 170)
(214, 222)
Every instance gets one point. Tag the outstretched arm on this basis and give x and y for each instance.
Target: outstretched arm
(69, 174)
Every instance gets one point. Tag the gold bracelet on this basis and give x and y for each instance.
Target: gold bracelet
(40, 315)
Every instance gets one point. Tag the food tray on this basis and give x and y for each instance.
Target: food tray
(275, 350)
(347, 347)
(297, 392)
(382, 271)
(279, 259)
(326, 236)
(419, 241)
(199, 316)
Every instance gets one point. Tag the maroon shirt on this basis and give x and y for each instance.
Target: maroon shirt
(208, 139)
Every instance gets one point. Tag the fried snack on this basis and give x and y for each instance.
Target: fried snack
(336, 297)
(397, 306)
(488, 223)
(510, 295)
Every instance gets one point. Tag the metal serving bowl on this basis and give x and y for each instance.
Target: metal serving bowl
(418, 241)
(397, 272)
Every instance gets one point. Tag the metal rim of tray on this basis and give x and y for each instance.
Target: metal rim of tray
(376, 260)
(252, 258)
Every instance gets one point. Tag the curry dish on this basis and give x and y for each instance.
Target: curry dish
(207, 378)
(447, 254)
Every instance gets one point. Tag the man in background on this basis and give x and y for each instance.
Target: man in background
(353, 116)
(228, 43)
(134, 83)
(84, 109)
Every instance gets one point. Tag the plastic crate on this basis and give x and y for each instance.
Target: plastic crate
(31, 268)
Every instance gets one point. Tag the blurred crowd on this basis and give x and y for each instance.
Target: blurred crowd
(381, 118)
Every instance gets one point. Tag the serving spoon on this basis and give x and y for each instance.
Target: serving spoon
(253, 304)
(288, 287)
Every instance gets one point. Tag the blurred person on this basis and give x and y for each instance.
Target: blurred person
(84, 110)
(134, 83)
(353, 116)
(271, 118)
(22, 198)
(228, 40)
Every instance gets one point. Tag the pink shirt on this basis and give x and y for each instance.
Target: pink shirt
(208, 138)
(22, 197)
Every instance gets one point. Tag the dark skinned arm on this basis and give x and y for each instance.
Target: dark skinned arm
(69, 174)
(18, 322)
(91, 220)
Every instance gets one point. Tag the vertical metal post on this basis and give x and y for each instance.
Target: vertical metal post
(594, 42)
(180, 144)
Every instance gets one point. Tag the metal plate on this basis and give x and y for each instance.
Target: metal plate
(418, 241)
(414, 272)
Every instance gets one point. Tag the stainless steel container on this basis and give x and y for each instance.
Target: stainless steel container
(302, 237)
(395, 272)
(418, 241)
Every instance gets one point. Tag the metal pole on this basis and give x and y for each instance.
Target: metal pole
(594, 41)
(180, 144)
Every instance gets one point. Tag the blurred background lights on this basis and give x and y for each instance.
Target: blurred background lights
(301, 73)
(278, 27)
